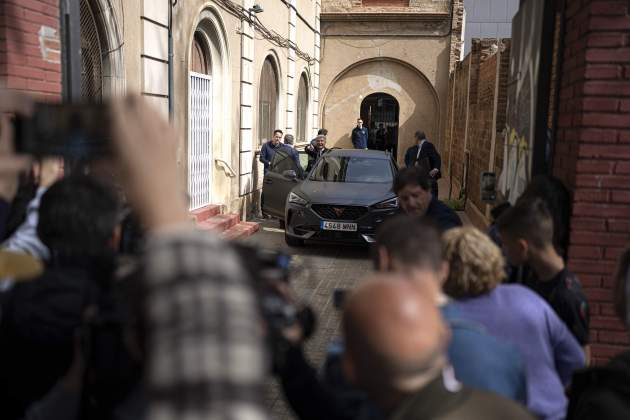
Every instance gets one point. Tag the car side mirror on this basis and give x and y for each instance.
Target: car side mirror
(290, 173)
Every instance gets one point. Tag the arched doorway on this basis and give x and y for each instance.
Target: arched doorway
(380, 113)
(200, 123)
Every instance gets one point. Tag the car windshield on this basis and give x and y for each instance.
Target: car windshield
(352, 169)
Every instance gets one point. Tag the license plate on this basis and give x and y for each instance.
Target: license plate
(340, 226)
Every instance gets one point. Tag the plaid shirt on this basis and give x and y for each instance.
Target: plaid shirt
(206, 349)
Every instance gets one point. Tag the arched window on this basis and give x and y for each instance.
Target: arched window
(267, 101)
(91, 55)
(200, 56)
(302, 109)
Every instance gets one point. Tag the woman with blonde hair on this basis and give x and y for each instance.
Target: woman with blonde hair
(514, 314)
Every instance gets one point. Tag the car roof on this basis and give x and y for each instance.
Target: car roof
(374, 154)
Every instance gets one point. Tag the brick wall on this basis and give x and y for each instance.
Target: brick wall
(473, 90)
(29, 46)
(592, 154)
(480, 128)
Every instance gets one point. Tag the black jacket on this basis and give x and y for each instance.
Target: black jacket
(602, 392)
(314, 155)
(39, 320)
(442, 215)
(428, 157)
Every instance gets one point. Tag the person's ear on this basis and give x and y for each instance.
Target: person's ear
(348, 369)
(116, 238)
(523, 249)
(383, 260)
(443, 273)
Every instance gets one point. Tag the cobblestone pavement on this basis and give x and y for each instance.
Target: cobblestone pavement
(319, 270)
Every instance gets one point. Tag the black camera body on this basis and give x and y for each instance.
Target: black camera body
(76, 131)
(269, 269)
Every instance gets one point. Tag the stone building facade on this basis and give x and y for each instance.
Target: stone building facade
(387, 61)
(232, 74)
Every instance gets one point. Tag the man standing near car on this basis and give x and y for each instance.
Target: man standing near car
(289, 147)
(360, 136)
(314, 152)
(269, 149)
(423, 154)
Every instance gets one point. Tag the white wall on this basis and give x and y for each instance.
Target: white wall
(488, 19)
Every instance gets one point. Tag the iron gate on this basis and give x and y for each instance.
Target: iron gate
(200, 140)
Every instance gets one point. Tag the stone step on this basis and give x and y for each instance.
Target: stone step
(240, 230)
(206, 212)
(219, 222)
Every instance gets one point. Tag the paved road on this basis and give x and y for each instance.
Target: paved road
(320, 269)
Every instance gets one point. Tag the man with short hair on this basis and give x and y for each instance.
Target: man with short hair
(79, 224)
(316, 151)
(320, 132)
(360, 136)
(413, 187)
(290, 150)
(269, 149)
(412, 247)
(424, 154)
(527, 232)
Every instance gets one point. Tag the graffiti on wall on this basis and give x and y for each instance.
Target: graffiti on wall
(522, 93)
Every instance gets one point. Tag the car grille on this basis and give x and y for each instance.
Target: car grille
(329, 212)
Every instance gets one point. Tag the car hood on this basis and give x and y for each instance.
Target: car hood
(344, 192)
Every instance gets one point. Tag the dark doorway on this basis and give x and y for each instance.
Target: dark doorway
(379, 112)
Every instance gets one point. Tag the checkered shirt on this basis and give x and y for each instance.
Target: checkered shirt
(206, 355)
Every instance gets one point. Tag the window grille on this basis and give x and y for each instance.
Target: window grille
(200, 141)
(91, 54)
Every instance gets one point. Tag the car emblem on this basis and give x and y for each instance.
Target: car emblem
(338, 211)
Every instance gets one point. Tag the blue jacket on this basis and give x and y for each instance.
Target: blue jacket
(479, 360)
(267, 151)
(360, 138)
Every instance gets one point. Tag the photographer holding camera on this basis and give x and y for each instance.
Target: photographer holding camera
(205, 354)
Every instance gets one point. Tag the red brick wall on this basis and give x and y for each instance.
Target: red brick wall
(29, 46)
(592, 154)
(473, 90)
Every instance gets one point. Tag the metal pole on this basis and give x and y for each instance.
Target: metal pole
(71, 50)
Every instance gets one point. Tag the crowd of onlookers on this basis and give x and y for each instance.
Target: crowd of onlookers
(130, 312)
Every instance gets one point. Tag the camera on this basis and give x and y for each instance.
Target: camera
(75, 131)
(270, 270)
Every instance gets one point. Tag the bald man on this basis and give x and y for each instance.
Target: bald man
(396, 353)
(396, 345)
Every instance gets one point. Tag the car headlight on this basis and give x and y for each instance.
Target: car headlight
(296, 199)
(392, 203)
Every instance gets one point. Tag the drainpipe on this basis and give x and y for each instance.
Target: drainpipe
(171, 4)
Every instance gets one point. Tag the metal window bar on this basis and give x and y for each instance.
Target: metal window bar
(200, 141)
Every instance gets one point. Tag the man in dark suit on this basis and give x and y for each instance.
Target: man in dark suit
(425, 155)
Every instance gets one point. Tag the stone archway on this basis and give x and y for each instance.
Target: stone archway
(417, 99)
(379, 112)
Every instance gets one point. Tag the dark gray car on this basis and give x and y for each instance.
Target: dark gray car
(346, 195)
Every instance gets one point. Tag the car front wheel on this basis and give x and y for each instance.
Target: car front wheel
(291, 241)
